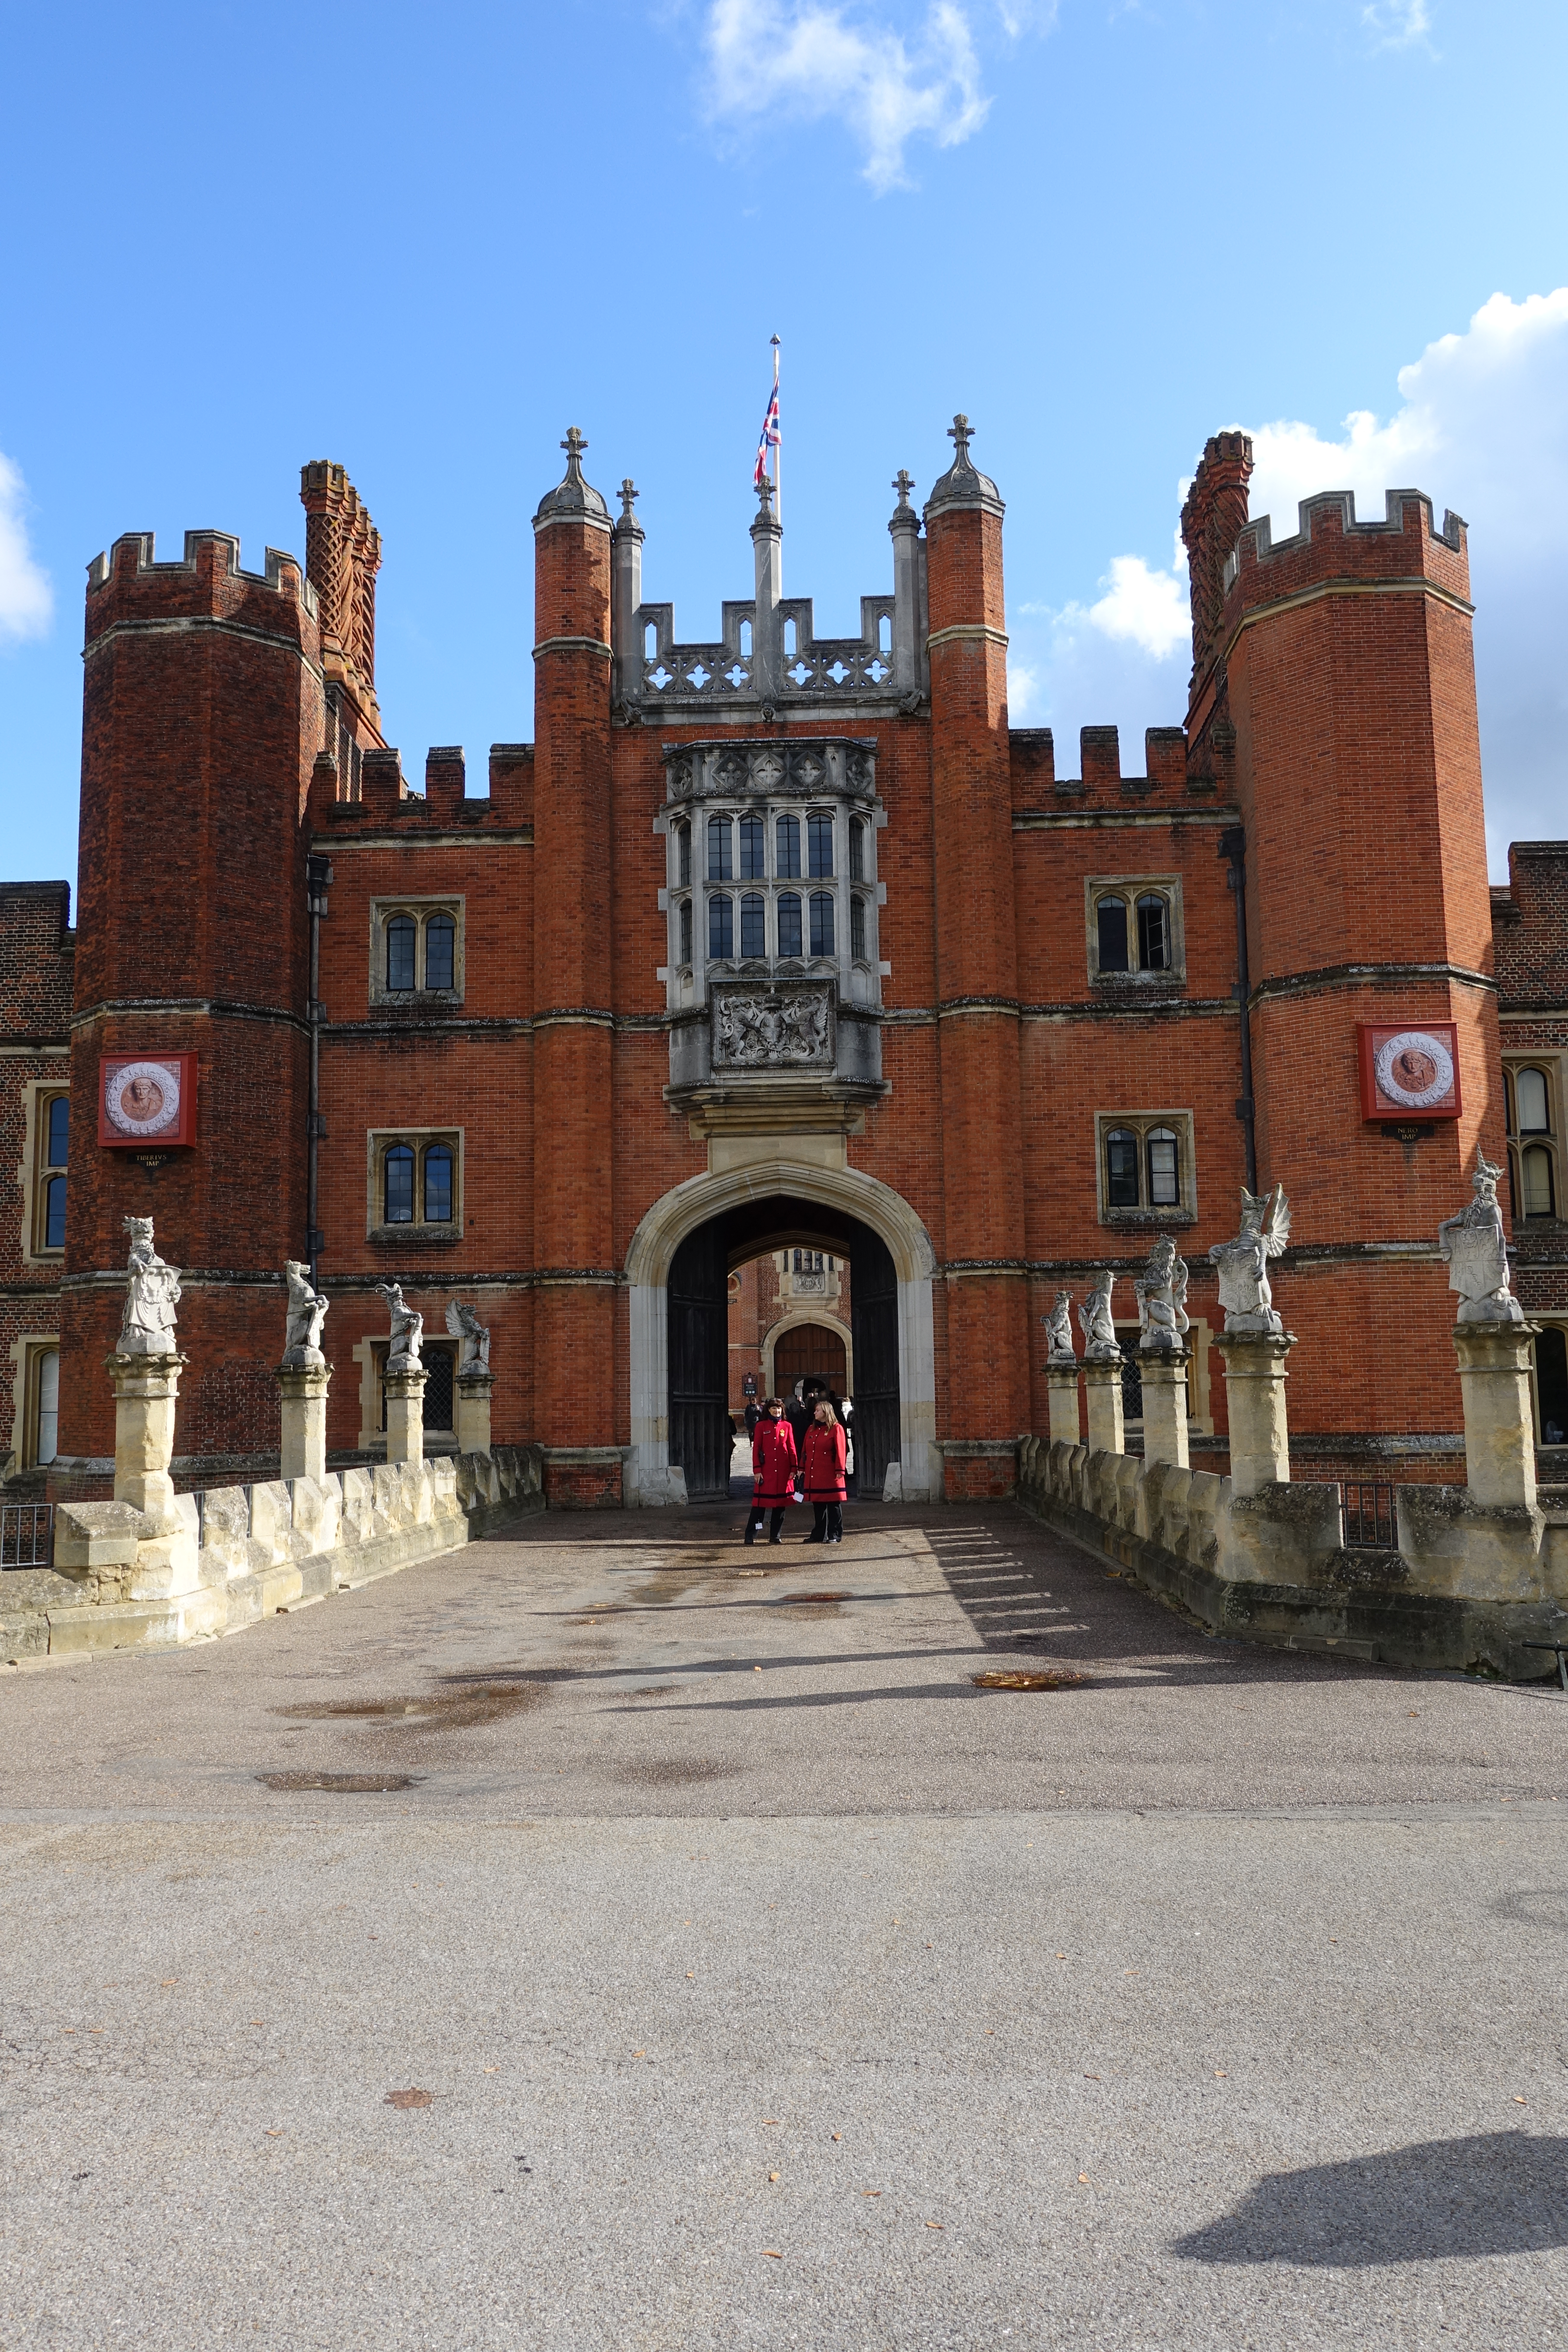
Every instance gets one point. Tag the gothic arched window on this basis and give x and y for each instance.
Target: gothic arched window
(754, 925)
(400, 938)
(788, 847)
(789, 924)
(821, 923)
(720, 925)
(398, 1186)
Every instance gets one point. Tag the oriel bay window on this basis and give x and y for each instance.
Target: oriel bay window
(1135, 928)
(819, 836)
(413, 1179)
(821, 923)
(733, 895)
(720, 927)
(1145, 1166)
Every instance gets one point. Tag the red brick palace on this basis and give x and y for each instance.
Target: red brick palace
(775, 943)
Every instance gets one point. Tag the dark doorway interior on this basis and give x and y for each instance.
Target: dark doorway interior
(699, 1335)
(1551, 1385)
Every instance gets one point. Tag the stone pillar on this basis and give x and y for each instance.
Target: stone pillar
(405, 1416)
(304, 1393)
(1061, 1382)
(474, 1412)
(1500, 1433)
(145, 1388)
(1165, 1406)
(1255, 1406)
(1102, 1389)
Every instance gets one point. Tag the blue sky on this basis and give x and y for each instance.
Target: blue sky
(424, 241)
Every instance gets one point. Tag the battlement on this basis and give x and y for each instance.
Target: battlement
(1037, 786)
(1332, 541)
(383, 797)
(208, 579)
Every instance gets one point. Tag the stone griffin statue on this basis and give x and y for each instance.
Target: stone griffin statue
(1160, 1291)
(1101, 1344)
(1243, 1264)
(407, 1330)
(307, 1313)
(152, 1294)
(1058, 1326)
(474, 1356)
(1476, 1251)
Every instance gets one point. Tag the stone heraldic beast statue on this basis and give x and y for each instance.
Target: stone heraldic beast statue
(307, 1313)
(1243, 1265)
(1100, 1343)
(407, 1330)
(1475, 1248)
(464, 1324)
(1058, 1329)
(152, 1294)
(1160, 1291)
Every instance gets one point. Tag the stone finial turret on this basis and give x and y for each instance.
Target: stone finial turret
(963, 485)
(572, 500)
(626, 520)
(1213, 516)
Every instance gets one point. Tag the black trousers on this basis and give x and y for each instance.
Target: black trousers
(826, 1523)
(777, 1515)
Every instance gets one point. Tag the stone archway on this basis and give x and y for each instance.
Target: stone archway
(774, 1186)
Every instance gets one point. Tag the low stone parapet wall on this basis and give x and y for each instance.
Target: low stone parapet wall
(1467, 1590)
(230, 1555)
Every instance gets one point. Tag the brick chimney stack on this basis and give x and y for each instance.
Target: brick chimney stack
(343, 556)
(1212, 522)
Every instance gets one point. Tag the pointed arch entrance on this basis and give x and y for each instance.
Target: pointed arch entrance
(678, 1268)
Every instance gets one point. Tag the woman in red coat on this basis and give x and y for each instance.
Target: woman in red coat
(774, 1467)
(822, 1474)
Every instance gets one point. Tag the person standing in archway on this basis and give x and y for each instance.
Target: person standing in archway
(822, 1465)
(774, 1467)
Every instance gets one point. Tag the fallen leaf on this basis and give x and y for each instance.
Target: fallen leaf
(273, 2134)
(1061, 1955)
(837, 2134)
(1518, 2100)
(1219, 2073)
(871, 2193)
(770, 2119)
(936, 2225)
(1129, 1973)
(1091, 2078)
(168, 1980)
(492, 2070)
(756, 1670)
(773, 2176)
(771, 2252)
(1084, 2177)
(639, 2053)
(409, 2099)
(690, 1976)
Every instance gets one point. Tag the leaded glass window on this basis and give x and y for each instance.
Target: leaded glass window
(819, 835)
(754, 925)
(821, 923)
(397, 1185)
(400, 942)
(720, 849)
(437, 1184)
(440, 953)
(721, 926)
(789, 924)
(858, 928)
(788, 846)
(753, 838)
(1121, 1169)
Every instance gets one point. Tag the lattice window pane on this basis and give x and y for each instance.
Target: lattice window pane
(1529, 1095)
(1164, 1180)
(59, 1131)
(1121, 1169)
(720, 849)
(720, 928)
(1111, 926)
(686, 931)
(857, 850)
(400, 951)
(754, 925)
(752, 837)
(1537, 1169)
(49, 1405)
(819, 831)
(789, 849)
(55, 1213)
(440, 953)
(683, 853)
(1153, 934)
(821, 923)
(858, 928)
(439, 1368)
(398, 1186)
(438, 1187)
(789, 924)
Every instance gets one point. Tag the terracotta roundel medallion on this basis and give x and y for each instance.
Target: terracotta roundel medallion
(1415, 1068)
(142, 1098)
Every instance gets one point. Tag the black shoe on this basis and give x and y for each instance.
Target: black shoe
(774, 1539)
(750, 1540)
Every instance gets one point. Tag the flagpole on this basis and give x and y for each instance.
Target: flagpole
(778, 446)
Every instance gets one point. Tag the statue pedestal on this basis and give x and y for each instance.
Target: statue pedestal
(1062, 1390)
(405, 1416)
(1499, 1429)
(145, 1388)
(474, 1412)
(304, 1394)
(1255, 1405)
(1103, 1393)
(1164, 1375)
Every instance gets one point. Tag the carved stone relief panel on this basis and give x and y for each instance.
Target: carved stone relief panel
(777, 1026)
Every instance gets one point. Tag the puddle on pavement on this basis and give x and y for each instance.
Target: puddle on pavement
(461, 1703)
(340, 1784)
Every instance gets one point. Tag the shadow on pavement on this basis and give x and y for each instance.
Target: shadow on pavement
(1493, 2193)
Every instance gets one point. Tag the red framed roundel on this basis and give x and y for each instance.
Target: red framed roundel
(1409, 1069)
(146, 1100)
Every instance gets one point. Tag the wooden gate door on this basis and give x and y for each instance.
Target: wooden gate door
(874, 1319)
(699, 1364)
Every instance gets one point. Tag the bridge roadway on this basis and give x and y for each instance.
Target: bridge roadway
(770, 1982)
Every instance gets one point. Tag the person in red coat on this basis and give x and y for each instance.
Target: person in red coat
(822, 1474)
(773, 1467)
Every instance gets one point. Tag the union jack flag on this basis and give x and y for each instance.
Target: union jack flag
(770, 440)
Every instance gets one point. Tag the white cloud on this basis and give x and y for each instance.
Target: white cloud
(814, 62)
(25, 603)
(1483, 428)
(1397, 23)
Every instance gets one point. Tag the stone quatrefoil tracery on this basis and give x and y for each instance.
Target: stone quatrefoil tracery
(834, 665)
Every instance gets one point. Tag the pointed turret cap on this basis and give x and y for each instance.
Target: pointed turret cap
(961, 484)
(574, 499)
